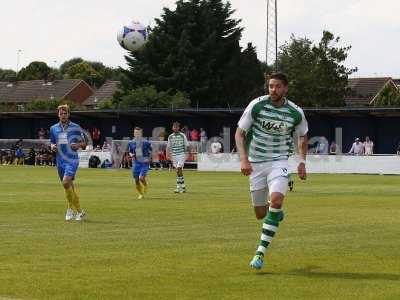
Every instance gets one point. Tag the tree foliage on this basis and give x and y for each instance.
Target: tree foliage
(316, 72)
(195, 49)
(93, 72)
(36, 70)
(69, 63)
(149, 97)
(49, 104)
(85, 72)
(389, 96)
(6, 74)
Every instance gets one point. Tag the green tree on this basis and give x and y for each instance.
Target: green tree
(84, 71)
(106, 73)
(103, 72)
(69, 63)
(55, 74)
(244, 78)
(49, 104)
(316, 72)
(43, 104)
(149, 97)
(107, 104)
(195, 49)
(36, 70)
(6, 74)
(389, 96)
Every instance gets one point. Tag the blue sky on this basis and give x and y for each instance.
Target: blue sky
(54, 31)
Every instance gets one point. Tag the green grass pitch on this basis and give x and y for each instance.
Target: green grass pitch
(340, 238)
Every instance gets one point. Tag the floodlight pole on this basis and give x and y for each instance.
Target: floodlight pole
(271, 51)
(18, 56)
(276, 36)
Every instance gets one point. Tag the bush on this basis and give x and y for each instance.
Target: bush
(107, 104)
(149, 97)
(50, 105)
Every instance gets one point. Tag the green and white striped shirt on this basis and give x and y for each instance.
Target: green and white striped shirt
(177, 143)
(270, 129)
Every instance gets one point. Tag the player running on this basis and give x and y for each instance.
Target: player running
(176, 152)
(140, 151)
(66, 138)
(264, 141)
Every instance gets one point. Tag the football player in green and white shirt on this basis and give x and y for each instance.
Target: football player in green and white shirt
(176, 152)
(264, 141)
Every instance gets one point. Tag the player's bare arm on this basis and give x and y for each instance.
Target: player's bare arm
(245, 166)
(303, 146)
(187, 152)
(79, 145)
(167, 153)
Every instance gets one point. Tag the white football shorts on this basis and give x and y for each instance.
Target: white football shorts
(272, 177)
(178, 161)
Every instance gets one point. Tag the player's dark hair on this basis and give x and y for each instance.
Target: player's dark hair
(279, 76)
(137, 128)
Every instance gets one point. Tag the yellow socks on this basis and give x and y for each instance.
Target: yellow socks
(76, 201)
(139, 188)
(144, 186)
(70, 195)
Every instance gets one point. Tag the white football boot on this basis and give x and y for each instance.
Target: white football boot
(80, 215)
(70, 214)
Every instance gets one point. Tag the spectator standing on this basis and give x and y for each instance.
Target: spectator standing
(126, 161)
(41, 155)
(333, 148)
(19, 156)
(95, 136)
(357, 148)
(322, 146)
(41, 134)
(398, 149)
(203, 139)
(215, 147)
(161, 135)
(162, 159)
(31, 157)
(186, 132)
(106, 147)
(194, 135)
(368, 146)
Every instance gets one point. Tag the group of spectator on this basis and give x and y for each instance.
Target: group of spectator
(362, 148)
(17, 156)
(358, 147)
(98, 148)
(194, 135)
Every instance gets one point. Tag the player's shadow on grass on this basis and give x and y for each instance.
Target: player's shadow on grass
(314, 272)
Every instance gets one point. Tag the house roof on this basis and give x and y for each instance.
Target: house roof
(26, 91)
(105, 92)
(363, 90)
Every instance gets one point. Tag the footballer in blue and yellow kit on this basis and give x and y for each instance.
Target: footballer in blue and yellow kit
(140, 151)
(66, 138)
